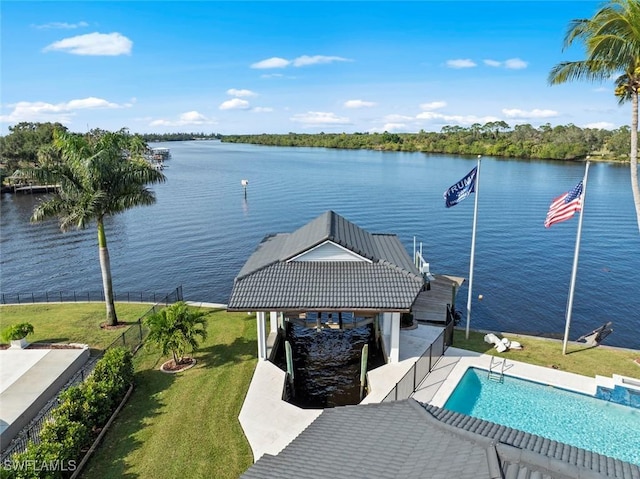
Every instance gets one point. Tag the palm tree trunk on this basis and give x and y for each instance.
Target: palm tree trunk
(105, 267)
(634, 155)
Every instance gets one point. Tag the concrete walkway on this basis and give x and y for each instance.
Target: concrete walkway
(270, 423)
(29, 378)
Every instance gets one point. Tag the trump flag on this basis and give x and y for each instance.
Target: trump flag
(565, 206)
(463, 188)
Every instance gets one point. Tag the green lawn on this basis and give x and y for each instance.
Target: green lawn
(70, 322)
(580, 358)
(186, 425)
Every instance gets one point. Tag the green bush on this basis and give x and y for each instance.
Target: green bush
(82, 410)
(115, 369)
(17, 331)
(33, 463)
(71, 435)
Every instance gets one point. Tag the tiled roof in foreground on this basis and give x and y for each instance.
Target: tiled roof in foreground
(407, 440)
(269, 280)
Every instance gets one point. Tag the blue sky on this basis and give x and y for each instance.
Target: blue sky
(276, 67)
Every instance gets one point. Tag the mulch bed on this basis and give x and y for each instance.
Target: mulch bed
(171, 366)
(117, 326)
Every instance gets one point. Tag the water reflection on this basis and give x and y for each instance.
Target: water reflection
(327, 364)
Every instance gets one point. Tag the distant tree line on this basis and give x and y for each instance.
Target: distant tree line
(149, 137)
(30, 144)
(562, 142)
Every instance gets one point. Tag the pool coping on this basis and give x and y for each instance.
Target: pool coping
(438, 385)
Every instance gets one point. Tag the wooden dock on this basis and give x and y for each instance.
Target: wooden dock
(431, 305)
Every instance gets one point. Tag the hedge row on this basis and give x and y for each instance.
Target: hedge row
(76, 421)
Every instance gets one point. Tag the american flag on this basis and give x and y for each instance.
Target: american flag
(564, 207)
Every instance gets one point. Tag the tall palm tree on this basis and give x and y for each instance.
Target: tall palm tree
(612, 43)
(175, 329)
(95, 180)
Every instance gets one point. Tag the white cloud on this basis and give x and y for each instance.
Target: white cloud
(358, 104)
(91, 102)
(107, 44)
(240, 93)
(61, 25)
(535, 113)
(457, 119)
(235, 104)
(273, 62)
(515, 64)
(301, 61)
(600, 125)
(187, 118)
(305, 60)
(262, 109)
(62, 112)
(391, 127)
(434, 105)
(492, 63)
(271, 75)
(602, 89)
(461, 63)
(319, 118)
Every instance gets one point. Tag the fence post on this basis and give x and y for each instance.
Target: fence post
(75, 300)
(61, 296)
(430, 350)
(415, 371)
(140, 329)
(124, 342)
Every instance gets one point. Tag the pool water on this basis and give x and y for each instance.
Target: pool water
(557, 414)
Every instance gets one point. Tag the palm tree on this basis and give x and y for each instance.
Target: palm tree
(612, 42)
(176, 328)
(95, 180)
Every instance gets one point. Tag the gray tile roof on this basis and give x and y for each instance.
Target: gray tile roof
(268, 281)
(405, 439)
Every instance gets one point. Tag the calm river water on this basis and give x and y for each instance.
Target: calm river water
(202, 229)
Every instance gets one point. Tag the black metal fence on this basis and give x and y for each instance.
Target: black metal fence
(131, 338)
(424, 364)
(79, 296)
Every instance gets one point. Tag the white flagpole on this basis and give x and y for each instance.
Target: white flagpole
(575, 262)
(473, 249)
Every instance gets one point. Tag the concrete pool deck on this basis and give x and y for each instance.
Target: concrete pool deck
(270, 424)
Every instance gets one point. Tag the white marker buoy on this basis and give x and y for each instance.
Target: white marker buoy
(480, 297)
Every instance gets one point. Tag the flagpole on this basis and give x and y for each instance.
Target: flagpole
(575, 262)
(473, 249)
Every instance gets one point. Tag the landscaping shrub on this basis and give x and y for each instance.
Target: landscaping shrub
(74, 423)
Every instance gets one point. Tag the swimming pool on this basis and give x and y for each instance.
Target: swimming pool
(557, 414)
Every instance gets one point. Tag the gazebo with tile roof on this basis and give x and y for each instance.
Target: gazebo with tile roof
(329, 265)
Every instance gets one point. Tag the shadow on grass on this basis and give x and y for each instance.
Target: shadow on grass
(238, 351)
(143, 405)
(586, 348)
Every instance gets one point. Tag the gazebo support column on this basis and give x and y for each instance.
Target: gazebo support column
(262, 334)
(273, 322)
(394, 355)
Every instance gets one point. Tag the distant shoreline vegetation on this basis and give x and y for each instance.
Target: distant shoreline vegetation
(567, 142)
